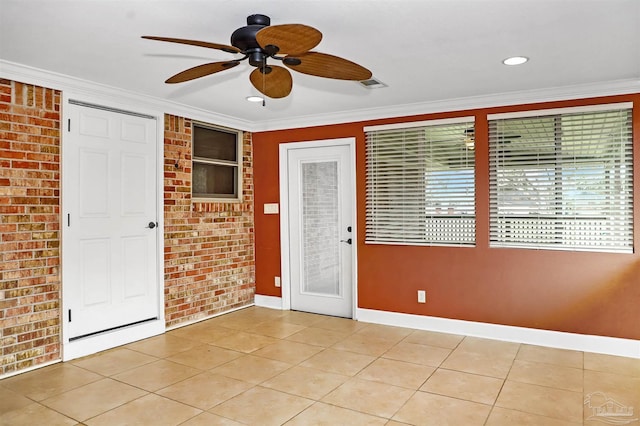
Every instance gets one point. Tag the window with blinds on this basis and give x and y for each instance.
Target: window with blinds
(562, 180)
(420, 183)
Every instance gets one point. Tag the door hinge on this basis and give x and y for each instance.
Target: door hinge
(69, 315)
(68, 125)
(68, 219)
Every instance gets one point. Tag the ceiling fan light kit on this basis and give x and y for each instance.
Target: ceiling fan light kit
(258, 42)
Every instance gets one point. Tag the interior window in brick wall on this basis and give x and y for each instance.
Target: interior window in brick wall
(217, 163)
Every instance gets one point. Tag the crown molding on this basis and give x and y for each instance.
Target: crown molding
(581, 91)
(77, 86)
(19, 72)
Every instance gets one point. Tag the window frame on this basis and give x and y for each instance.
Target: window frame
(238, 165)
(424, 225)
(568, 232)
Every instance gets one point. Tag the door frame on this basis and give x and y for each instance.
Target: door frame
(285, 246)
(109, 339)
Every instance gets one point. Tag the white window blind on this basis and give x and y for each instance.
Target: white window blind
(420, 185)
(562, 181)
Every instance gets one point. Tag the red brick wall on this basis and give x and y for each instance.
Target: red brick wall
(209, 246)
(29, 225)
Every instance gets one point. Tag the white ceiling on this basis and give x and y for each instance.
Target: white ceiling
(428, 52)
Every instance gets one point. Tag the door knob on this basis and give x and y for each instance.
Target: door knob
(151, 225)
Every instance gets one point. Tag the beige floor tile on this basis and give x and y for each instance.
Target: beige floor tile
(597, 381)
(237, 324)
(343, 325)
(397, 373)
(208, 419)
(436, 410)
(162, 346)
(202, 332)
(10, 400)
(275, 407)
(365, 345)
(302, 318)
(34, 414)
(505, 417)
(384, 332)
(114, 361)
(306, 382)
(457, 384)
(432, 338)
(48, 381)
(277, 329)
(553, 376)
(378, 399)
(320, 414)
(242, 320)
(488, 347)
(471, 362)
(339, 362)
(148, 410)
(395, 423)
(287, 351)
(204, 357)
(156, 375)
(417, 353)
(563, 357)
(95, 398)
(544, 401)
(612, 364)
(244, 342)
(205, 390)
(252, 369)
(600, 387)
(318, 337)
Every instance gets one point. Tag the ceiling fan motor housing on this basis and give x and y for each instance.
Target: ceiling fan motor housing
(244, 38)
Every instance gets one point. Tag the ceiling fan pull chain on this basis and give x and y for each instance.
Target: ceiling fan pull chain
(264, 71)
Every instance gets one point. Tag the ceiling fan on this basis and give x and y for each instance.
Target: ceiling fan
(258, 41)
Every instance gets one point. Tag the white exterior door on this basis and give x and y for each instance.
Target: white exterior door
(321, 229)
(110, 231)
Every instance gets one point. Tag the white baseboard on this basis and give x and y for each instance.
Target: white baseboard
(555, 339)
(271, 302)
(103, 341)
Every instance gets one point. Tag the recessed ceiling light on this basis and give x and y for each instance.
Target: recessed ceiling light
(254, 98)
(515, 60)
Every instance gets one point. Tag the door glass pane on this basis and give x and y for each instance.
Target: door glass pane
(320, 223)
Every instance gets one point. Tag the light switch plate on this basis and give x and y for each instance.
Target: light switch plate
(271, 208)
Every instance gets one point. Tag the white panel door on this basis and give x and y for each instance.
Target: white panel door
(110, 233)
(320, 230)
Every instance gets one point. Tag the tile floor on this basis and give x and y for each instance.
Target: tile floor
(259, 366)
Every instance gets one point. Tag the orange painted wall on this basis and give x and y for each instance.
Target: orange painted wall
(579, 292)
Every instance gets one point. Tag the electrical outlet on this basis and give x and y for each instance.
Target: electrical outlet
(276, 281)
(422, 296)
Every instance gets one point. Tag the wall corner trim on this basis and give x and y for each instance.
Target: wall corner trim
(555, 339)
(271, 302)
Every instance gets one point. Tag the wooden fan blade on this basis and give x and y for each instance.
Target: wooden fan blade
(328, 66)
(275, 84)
(289, 38)
(222, 47)
(201, 71)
